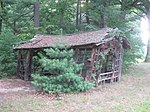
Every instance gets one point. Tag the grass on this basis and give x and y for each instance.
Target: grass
(143, 107)
(132, 94)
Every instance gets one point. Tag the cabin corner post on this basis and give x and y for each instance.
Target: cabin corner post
(89, 75)
(28, 67)
(18, 63)
(76, 52)
(120, 63)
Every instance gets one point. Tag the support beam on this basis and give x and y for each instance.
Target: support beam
(107, 63)
(18, 64)
(98, 62)
(76, 54)
(91, 61)
(113, 68)
(120, 63)
(28, 64)
(98, 74)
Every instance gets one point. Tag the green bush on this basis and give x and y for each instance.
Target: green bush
(7, 56)
(136, 53)
(63, 74)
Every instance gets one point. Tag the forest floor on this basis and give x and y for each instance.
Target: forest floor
(131, 94)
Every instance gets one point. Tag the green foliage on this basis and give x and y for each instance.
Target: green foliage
(17, 15)
(117, 33)
(129, 28)
(63, 73)
(133, 55)
(59, 17)
(143, 107)
(113, 16)
(7, 56)
(56, 15)
(66, 83)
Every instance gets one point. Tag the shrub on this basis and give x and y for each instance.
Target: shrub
(136, 53)
(7, 56)
(63, 74)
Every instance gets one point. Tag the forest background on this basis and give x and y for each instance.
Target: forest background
(20, 20)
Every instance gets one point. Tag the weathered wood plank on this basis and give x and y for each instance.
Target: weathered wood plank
(28, 65)
(120, 63)
(108, 73)
(91, 61)
(18, 64)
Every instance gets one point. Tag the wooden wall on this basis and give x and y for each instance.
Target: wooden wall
(101, 63)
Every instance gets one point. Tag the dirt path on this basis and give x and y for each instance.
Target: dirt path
(14, 85)
(11, 88)
(134, 89)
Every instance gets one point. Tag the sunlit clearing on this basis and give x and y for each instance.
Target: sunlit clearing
(144, 30)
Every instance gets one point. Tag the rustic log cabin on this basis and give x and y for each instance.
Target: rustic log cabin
(100, 53)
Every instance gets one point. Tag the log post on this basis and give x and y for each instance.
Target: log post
(113, 66)
(18, 64)
(98, 74)
(107, 63)
(113, 69)
(120, 63)
(91, 60)
(98, 70)
(76, 54)
(28, 64)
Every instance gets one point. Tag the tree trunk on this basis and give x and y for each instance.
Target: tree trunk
(80, 13)
(1, 21)
(37, 13)
(122, 15)
(62, 19)
(123, 11)
(77, 13)
(147, 59)
(87, 13)
(103, 22)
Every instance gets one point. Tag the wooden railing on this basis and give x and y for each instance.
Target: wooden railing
(108, 77)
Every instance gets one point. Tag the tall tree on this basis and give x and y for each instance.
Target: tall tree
(16, 14)
(87, 12)
(57, 15)
(1, 20)
(78, 11)
(144, 7)
(37, 13)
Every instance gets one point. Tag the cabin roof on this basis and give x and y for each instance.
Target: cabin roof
(45, 41)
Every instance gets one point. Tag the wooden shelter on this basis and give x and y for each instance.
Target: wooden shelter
(100, 52)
